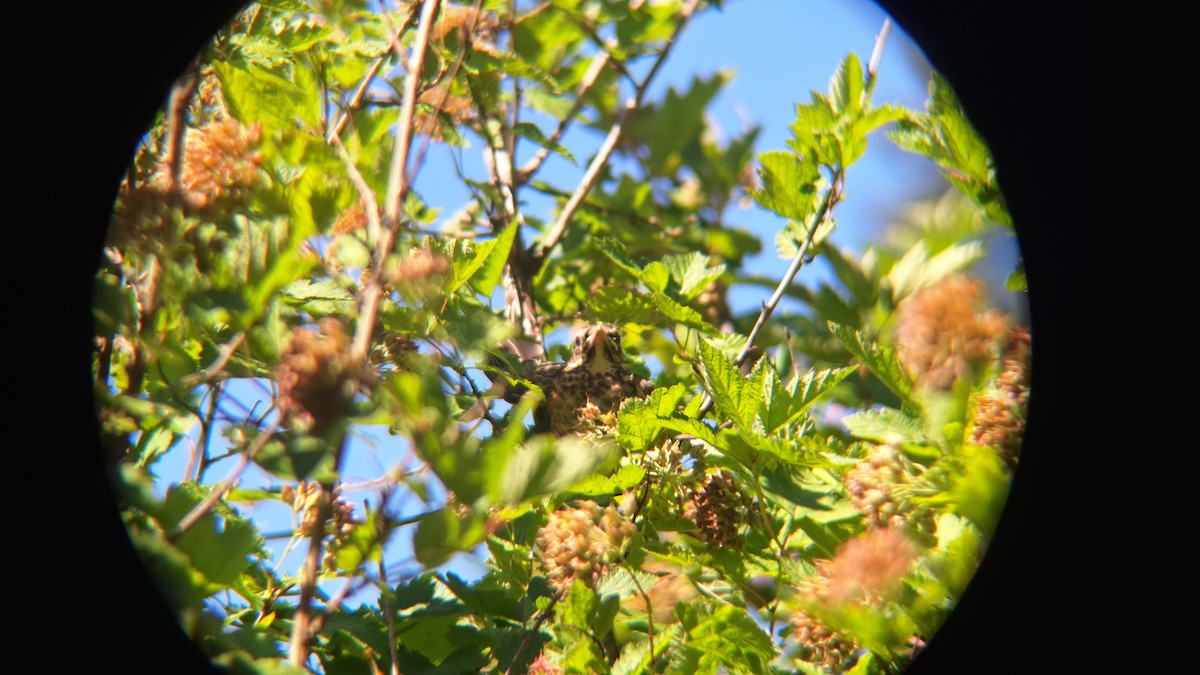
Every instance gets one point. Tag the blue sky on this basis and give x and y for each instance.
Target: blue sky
(778, 50)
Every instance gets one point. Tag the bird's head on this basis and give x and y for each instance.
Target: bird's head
(598, 347)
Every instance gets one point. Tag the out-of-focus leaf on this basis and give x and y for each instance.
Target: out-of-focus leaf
(886, 426)
(881, 360)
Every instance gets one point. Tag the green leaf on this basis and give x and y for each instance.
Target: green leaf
(655, 275)
(220, 554)
(886, 426)
(789, 184)
(682, 314)
(729, 389)
(882, 361)
(512, 64)
(727, 637)
(691, 272)
(785, 405)
(534, 133)
(915, 270)
(613, 304)
(542, 465)
(442, 533)
(469, 257)
(493, 267)
(1016, 281)
(256, 95)
(945, 135)
(846, 87)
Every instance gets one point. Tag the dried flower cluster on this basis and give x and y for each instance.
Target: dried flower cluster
(220, 162)
(866, 569)
(542, 665)
(581, 542)
(941, 334)
(421, 266)
(877, 487)
(396, 349)
(999, 420)
(718, 509)
(439, 98)
(822, 646)
(714, 304)
(315, 377)
(350, 219)
(306, 499)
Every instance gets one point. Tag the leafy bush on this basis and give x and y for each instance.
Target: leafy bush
(739, 491)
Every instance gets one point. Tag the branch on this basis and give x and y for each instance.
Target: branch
(610, 143)
(215, 368)
(357, 99)
(529, 635)
(876, 56)
(397, 186)
(219, 491)
(585, 85)
(365, 194)
(827, 202)
(301, 623)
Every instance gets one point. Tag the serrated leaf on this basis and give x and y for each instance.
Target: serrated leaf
(887, 426)
(691, 272)
(221, 555)
(880, 360)
(846, 87)
(682, 314)
(534, 133)
(784, 405)
(614, 304)
(726, 384)
(788, 184)
(729, 637)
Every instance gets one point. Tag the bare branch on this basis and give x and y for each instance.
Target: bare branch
(215, 368)
(365, 194)
(219, 491)
(357, 99)
(585, 85)
(610, 142)
(397, 186)
(876, 56)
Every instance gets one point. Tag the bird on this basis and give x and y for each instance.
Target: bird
(593, 382)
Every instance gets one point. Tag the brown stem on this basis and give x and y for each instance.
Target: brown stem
(585, 85)
(610, 143)
(397, 188)
(219, 491)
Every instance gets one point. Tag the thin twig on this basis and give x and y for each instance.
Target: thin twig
(219, 491)
(397, 187)
(215, 368)
(585, 85)
(459, 59)
(610, 143)
(357, 99)
(529, 635)
(876, 56)
(366, 195)
(831, 196)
